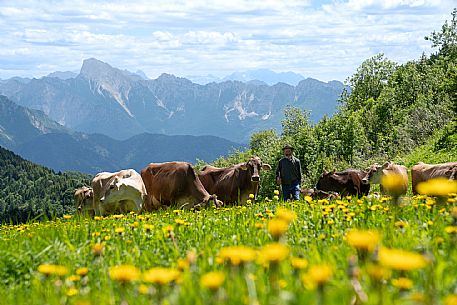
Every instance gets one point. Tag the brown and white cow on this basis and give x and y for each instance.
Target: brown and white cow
(173, 183)
(347, 182)
(422, 172)
(84, 197)
(376, 172)
(235, 183)
(119, 192)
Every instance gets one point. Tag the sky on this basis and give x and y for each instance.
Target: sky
(326, 40)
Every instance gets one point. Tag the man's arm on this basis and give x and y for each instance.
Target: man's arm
(299, 170)
(278, 173)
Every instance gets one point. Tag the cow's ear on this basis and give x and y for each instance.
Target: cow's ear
(385, 165)
(266, 167)
(243, 167)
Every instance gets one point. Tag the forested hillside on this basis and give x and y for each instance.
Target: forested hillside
(29, 191)
(403, 112)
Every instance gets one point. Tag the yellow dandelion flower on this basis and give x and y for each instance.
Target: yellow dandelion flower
(277, 227)
(401, 260)
(308, 199)
(451, 299)
(143, 289)
(135, 224)
(74, 278)
(378, 272)
(401, 224)
(259, 225)
(237, 255)
(161, 276)
(273, 253)
(49, 269)
(402, 283)
(179, 221)
(276, 197)
(83, 271)
(276, 192)
(298, 263)
(437, 187)
(286, 215)
(124, 273)
(120, 230)
(363, 240)
(320, 274)
(66, 216)
(212, 280)
(282, 284)
(97, 249)
(451, 230)
(148, 227)
(251, 196)
(183, 264)
(72, 292)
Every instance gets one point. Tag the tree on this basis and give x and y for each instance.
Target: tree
(446, 40)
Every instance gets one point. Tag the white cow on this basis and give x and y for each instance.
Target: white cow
(119, 192)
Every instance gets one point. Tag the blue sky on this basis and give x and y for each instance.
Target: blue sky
(322, 39)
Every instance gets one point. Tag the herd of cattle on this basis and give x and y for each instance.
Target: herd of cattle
(177, 183)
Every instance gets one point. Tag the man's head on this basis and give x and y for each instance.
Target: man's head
(287, 150)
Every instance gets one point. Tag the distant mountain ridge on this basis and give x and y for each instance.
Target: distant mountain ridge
(34, 136)
(120, 104)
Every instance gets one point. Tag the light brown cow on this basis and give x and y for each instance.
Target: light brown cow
(119, 192)
(235, 183)
(175, 183)
(422, 172)
(376, 172)
(84, 197)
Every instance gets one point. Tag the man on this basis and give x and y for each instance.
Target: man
(288, 174)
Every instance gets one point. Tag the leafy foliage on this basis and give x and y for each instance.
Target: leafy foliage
(29, 191)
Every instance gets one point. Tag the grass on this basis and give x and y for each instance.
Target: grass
(177, 239)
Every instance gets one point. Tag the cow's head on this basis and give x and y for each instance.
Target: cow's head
(83, 199)
(374, 173)
(253, 167)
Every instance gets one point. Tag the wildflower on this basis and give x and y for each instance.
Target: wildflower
(179, 221)
(277, 227)
(450, 230)
(259, 225)
(237, 254)
(363, 240)
(143, 289)
(98, 218)
(273, 253)
(308, 199)
(161, 276)
(378, 272)
(286, 215)
(212, 280)
(437, 187)
(401, 260)
(298, 263)
(136, 224)
(66, 216)
(248, 201)
(276, 192)
(124, 273)
(72, 292)
(97, 249)
(393, 184)
(402, 283)
(401, 224)
(183, 264)
(74, 278)
(48, 269)
(148, 227)
(251, 196)
(120, 230)
(451, 299)
(83, 271)
(319, 274)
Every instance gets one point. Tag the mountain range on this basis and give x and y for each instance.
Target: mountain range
(36, 137)
(120, 104)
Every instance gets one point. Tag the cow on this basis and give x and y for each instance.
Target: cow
(235, 183)
(347, 182)
(318, 194)
(376, 172)
(175, 183)
(119, 192)
(84, 197)
(422, 172)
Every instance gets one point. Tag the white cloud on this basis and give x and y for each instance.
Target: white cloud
(214, 37)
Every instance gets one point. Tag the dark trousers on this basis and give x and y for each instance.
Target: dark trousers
(292, 189)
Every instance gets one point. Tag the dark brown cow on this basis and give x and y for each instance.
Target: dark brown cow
(174, 183)
(347, 182)
(422, 172)
(376, 172)
(318, 194)
(235, 183)
(84, 197)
